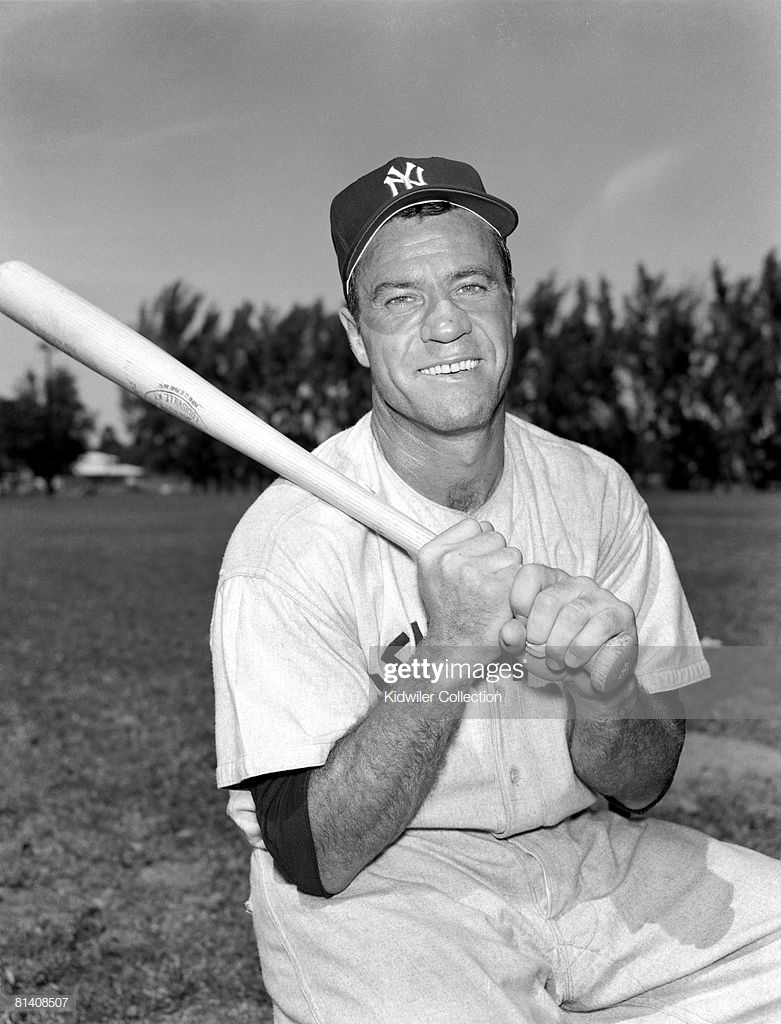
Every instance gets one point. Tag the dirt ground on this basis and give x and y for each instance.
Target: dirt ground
(122, 882)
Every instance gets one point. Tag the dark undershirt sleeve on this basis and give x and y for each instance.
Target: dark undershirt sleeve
(283, 815)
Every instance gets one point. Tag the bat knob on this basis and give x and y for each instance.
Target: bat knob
(614, 663)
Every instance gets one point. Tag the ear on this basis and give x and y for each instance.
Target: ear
(354, 336)
(513, 296)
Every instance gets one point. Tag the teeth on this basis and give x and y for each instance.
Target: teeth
(465, 364)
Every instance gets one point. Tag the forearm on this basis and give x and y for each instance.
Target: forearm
(373, 783)
(627, 749)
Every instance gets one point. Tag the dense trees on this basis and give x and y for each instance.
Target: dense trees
(45, 427)
(682, 386)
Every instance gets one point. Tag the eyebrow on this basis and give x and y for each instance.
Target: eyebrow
(419, 283)
(384, 286)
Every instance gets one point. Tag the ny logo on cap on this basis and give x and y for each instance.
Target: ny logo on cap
(396, 178)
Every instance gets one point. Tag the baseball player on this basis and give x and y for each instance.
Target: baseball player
(469, 847)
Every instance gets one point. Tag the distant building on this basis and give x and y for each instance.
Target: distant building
(100, 467)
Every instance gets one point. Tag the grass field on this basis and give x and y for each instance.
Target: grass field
(122, 881)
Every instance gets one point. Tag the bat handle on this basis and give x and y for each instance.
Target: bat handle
(611, 666)
(614, 663)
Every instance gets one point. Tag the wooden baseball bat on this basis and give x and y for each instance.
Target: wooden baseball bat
(109, 347)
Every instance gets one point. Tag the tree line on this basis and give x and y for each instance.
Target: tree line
(44, 427)
(681, 385)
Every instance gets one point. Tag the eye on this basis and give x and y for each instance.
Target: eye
(472, 288)
(399, 301)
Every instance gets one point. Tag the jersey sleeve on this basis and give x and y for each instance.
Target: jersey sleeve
(289, 678)
(636, 565)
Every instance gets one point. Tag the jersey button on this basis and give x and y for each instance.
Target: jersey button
(514, 777)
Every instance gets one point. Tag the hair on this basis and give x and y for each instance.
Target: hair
(431, 209)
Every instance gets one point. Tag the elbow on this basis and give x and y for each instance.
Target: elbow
(636, 798)
(334, 882)
(336, 866)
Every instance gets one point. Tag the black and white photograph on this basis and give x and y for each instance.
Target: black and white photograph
(390, 511)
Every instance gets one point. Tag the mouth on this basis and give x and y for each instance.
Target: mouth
(461, 366)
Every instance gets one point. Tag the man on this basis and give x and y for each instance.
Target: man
(445, 858)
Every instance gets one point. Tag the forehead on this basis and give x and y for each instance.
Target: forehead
(449, 241)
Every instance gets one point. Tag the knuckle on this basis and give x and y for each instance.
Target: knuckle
(426, 556)
(494, 541)
(449, 562)
(610, 620)
(462, 531)
(586, 584)
(533, 572)
(506, 559)
(621, 614)
(546, 599)
(627, 613)
(576, 609)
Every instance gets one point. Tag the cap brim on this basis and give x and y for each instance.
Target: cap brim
(499, 215)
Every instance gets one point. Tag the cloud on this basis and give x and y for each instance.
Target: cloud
(111, 139)
(622, 219)
(637, 179)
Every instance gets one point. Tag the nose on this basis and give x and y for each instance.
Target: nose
(445, 321)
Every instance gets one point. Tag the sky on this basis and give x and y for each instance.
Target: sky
(147, 142)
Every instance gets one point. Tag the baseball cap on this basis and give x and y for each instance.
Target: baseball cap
(361, 209)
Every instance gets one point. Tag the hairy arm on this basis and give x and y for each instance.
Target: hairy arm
(378, 774)
(624, 744)
(373, 783)
(627, 747)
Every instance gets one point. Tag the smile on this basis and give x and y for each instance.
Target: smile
(464, 364)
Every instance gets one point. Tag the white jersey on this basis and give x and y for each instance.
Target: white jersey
(306, 597)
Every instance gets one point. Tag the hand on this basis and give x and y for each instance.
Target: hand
(464, 578)
(568, 619)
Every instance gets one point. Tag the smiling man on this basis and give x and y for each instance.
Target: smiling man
(445, 856)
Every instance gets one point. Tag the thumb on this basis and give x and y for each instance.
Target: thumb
(512, 636)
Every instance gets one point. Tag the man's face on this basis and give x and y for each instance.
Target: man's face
(436, 321)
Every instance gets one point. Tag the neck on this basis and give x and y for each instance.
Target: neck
(459, 470)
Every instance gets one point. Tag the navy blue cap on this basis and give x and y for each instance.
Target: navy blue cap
(361, 209)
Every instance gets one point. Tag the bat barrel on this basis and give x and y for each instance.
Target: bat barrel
(113, 350)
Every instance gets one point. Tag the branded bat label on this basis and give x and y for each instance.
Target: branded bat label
(174, 400)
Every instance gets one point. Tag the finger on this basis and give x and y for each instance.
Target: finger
(539, 668)
(482, 544)
(531, 579)
(572, 619)
(457, 554)
(510, 558)
(455, 534)
(512, 636)
(432, 551)
(546, 607)
(600, 627)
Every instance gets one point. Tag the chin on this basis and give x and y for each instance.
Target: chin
(453, 420)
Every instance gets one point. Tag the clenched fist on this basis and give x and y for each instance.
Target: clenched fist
(464, 577)
(564, 620)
